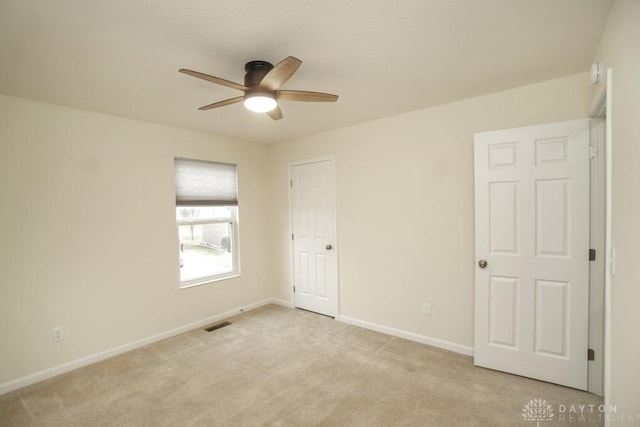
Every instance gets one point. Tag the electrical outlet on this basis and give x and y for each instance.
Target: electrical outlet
(426, 309)
(57, 334)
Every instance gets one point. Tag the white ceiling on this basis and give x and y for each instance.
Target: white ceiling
(382, 57)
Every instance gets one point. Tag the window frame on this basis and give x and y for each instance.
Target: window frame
(207, 184)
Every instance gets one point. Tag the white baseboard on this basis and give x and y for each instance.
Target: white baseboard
(282, 302)
(97, 357)
(423, 339)
(93, 358)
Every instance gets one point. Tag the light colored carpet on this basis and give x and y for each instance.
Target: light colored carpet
(276, 366)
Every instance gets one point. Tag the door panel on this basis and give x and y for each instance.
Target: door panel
(551, 318)
(532, 228)
(313, 232)
(503, 311)
(503, 217)
(552, 202)
(303, 276)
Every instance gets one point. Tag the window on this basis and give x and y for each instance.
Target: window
(207, 221)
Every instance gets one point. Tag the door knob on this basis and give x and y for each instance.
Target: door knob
(482, 263)
(328, 247)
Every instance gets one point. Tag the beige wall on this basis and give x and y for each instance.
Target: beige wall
(405, 205)
(620, 51)
(83, 192)
(88, 237)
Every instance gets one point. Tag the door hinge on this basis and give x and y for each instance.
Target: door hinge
(292, 238)
(593, 151)
(291, 183)
(592, 254)
(591, 354)
(294, 289)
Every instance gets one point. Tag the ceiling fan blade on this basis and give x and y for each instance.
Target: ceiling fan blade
(305, 96)
(275, 114)
(213, 79)
(222, 103)
(280, 73)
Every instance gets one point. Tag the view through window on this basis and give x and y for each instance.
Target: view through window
(206, 237)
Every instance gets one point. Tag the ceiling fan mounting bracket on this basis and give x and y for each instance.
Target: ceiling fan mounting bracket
(257, 65)
(255, 72)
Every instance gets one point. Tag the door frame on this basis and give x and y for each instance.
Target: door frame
(602, 107)
(597, 195)
(336, 247)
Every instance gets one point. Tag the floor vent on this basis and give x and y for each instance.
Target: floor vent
(218, 326)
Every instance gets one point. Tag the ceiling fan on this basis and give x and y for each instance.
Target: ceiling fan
(261, 87)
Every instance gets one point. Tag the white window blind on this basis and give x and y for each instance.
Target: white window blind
(202, 183)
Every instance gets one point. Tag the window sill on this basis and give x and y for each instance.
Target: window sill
(207, 280)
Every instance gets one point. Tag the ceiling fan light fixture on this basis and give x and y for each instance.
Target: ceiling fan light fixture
(260, 103)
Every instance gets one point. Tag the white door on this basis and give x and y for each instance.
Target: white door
(315, 271)
(532, 246)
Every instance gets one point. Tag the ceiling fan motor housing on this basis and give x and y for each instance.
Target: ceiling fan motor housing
(255, 72)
